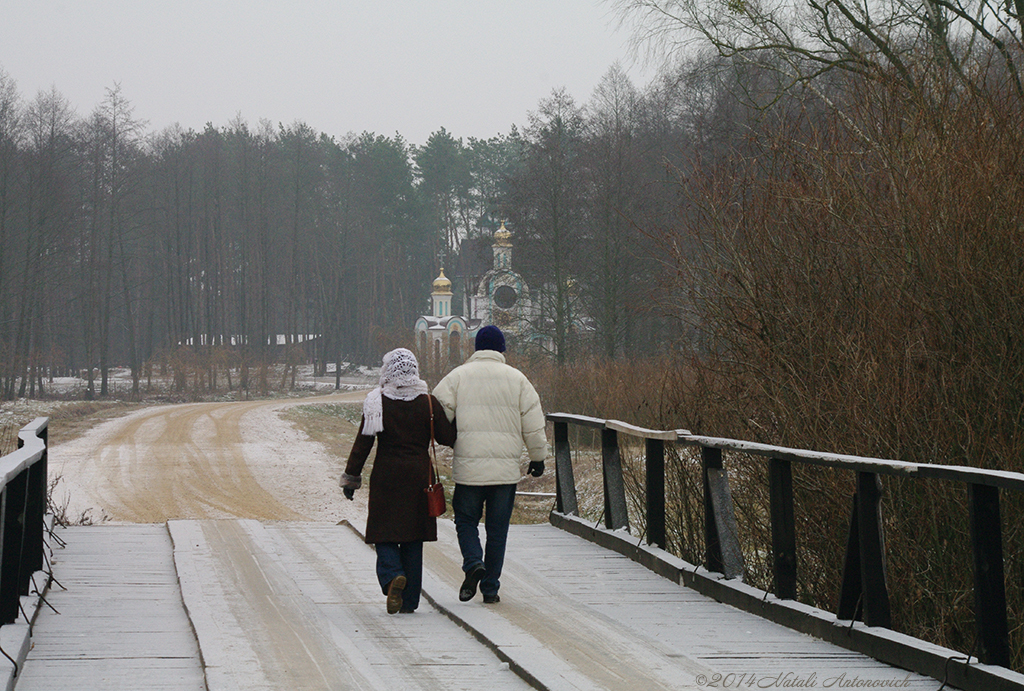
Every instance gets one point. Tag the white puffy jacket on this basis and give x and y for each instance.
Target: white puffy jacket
(497, 411)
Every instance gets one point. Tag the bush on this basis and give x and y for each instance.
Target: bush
(853, 281)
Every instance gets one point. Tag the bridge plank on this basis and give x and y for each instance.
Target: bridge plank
(422, 650)
(121, 623)
(646, 630)
(297, 606)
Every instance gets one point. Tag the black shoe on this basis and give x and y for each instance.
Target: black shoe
(395, 589)
(491, 599)
(473, 577)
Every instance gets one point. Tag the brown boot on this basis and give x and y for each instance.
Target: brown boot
(395, 589)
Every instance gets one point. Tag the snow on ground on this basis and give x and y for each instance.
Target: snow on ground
(107, 473)
(201, 460)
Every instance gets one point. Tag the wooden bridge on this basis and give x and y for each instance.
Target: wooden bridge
(240, 604)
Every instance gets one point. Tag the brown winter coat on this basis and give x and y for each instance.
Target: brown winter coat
(401, 469)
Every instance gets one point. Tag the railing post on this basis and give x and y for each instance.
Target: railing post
(11, 557)
(850, 589)
(655, 451)
(989, 586)
(565, 482)
(783, 528)
(615, 513)
(721, 539)
(872, 550)
(35, 508)
(4, 554)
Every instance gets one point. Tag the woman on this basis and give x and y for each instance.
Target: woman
(397, 415)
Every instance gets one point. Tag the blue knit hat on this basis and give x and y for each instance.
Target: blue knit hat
(490, 338)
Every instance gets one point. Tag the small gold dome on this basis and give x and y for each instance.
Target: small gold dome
(442, 286)
(502, 238)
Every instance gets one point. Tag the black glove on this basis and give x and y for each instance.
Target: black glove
(536, 468)
(349, 492)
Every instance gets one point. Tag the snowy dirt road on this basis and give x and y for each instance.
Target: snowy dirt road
(202, 461)
(277, 594)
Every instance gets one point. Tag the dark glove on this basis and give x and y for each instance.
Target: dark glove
(349, 492)
(536, 468)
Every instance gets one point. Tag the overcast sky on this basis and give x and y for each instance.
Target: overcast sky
(474, 67)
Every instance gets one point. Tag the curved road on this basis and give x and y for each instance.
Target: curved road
(201, 461)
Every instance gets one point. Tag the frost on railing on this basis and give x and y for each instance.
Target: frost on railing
(22, 518)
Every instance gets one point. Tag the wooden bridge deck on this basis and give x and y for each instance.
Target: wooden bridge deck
(244, 605)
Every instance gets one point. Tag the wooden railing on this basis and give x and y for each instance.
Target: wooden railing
(23, 488)
(863, 593)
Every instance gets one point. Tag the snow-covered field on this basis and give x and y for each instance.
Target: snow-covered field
(64, 392)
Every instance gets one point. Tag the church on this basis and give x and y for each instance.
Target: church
(499, 296)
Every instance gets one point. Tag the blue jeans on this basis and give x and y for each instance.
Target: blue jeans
(401, 559)
(468, 506)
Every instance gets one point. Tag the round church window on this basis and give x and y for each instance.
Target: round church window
(505, 297)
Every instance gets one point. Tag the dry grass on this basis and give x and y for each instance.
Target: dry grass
(74, 419)
(68, 419)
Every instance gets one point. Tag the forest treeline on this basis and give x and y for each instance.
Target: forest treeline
(122, 247)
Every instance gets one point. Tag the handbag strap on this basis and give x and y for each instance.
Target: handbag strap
(433, 450)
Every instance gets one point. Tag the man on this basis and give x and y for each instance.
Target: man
(497, 411)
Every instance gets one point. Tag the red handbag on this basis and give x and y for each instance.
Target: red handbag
(436, 505)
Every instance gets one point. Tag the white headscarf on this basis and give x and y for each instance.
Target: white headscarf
(399, 380)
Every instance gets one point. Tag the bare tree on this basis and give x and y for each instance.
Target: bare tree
(115, 138)
(50, 210)
(614, 179)
(10, 140)
(919, 44)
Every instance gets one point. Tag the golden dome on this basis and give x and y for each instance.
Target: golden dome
(502, 238)
(442, 286)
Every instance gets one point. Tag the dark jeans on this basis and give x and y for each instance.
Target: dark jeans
(468, 505)
(401, 559)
